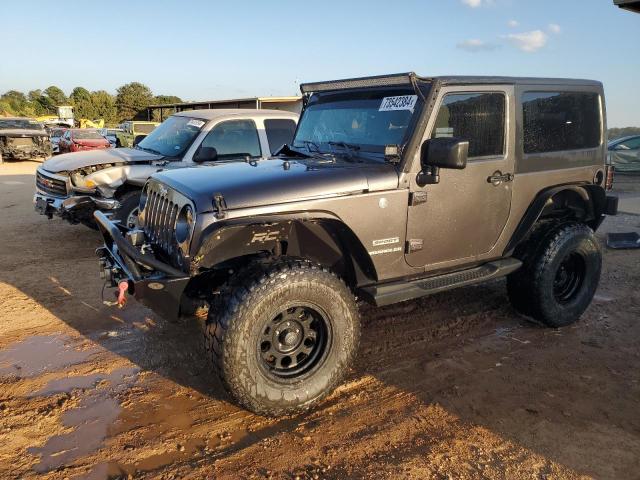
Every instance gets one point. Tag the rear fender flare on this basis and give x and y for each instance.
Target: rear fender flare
(592, 197)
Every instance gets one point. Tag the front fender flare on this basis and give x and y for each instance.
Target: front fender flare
(320, 236)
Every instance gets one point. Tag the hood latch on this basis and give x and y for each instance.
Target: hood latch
(220, 205)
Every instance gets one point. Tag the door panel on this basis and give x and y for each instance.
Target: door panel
(466, 212)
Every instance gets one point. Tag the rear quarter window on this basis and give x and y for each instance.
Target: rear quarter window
(559, 121)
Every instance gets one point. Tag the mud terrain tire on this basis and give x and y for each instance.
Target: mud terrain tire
(260, 313)
(560, 274)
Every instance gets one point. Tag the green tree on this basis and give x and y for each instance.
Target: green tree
(15, 101)
(132, 99)
(35, 99)
(83, 103)
(105, 107)
(56, 95)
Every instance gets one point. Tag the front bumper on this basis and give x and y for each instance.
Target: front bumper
(74, 208)
(153, 283)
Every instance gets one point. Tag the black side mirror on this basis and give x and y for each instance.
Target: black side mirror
(444, 152)
(205, 154)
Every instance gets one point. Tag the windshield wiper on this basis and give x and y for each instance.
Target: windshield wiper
(315, 153)
(151, 150)
(308, 144)
(350, 148)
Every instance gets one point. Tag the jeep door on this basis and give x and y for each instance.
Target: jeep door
(465, 213)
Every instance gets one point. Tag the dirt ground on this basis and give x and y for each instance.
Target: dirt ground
(453, 386)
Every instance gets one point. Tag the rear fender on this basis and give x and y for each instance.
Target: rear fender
(586, 203)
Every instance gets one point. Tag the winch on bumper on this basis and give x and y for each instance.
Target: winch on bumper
(155, 284)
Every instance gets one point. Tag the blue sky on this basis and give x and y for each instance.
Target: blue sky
(201, 50)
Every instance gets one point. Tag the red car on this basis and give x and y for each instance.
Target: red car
(80, 139)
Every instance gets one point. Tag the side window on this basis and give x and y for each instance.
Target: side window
(279, 131)
(234, 138)
(476, 117)
(556, 121)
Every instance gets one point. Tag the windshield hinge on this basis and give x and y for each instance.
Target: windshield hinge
(220, 204)
(417, 198)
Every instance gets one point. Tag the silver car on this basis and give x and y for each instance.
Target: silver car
(74, 185)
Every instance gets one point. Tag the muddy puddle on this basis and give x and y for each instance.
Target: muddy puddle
(89, 423)
(42, 354)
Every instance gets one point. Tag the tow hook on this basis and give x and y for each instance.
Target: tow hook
(123, 286)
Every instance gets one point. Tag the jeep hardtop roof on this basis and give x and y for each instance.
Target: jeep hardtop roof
(210, 114)
(410, 78)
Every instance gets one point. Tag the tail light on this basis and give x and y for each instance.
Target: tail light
(609, 173)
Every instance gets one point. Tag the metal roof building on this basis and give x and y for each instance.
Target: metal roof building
(289, 104)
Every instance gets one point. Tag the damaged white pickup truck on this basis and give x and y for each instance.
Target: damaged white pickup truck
(74, 185)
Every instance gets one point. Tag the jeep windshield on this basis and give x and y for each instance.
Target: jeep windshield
(173, 136)
(357, 124)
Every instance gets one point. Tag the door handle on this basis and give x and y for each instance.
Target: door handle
(498, 177)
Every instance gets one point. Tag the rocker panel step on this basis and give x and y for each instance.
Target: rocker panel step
(387, 294)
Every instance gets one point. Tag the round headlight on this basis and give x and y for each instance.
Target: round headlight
(184, 224)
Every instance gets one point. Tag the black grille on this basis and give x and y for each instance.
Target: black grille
(160, 218)
(52, 186)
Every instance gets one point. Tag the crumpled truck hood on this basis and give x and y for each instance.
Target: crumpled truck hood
(22, 132)
(68, 162)
(273, 181)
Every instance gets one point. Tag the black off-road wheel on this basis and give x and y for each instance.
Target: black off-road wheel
(128, 212)
(283, 336)
(560, 274)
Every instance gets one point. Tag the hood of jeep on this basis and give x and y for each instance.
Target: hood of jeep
(276, 181)
(68, 162)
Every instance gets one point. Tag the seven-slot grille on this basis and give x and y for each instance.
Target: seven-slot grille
(160, 218)
(50, 185)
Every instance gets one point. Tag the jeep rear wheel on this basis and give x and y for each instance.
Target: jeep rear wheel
(559, 276)
(283, 336)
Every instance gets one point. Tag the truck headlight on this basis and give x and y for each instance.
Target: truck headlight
(184, 224)
(81, 181)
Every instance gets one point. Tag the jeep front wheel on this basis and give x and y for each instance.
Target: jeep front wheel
(560, 274)
(283, 337)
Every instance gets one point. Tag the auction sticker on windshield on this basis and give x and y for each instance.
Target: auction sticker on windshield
(403, 102)
(195, 123)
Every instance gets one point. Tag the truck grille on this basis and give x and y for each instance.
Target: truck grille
(50, 185)
(160, 218)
